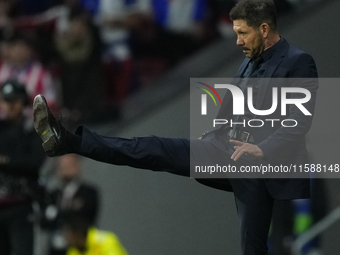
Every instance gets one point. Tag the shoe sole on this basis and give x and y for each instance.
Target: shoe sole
(41, 116)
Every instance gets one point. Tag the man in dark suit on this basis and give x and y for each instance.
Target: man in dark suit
(21, 157)
(268, 56)
(70, 196)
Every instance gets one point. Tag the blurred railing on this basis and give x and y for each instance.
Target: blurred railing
(315, 231)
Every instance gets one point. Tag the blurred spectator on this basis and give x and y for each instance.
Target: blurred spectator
(164, 32)
(120, 77)
(157, 33)
(70, 196)
(187, 23)
(108, 16)
(21, 157)
(32, 7)
(86, 240)
(81, 73)
(183, 17)
(4, 51)
(225, 24)
(7, 13)
(19, 62)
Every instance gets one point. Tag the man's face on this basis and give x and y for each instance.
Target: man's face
(11, 110)
(69, 167)
(79, 29)
(251, 40)
(20, 53)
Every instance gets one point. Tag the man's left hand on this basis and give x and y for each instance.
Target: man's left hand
(248, 149)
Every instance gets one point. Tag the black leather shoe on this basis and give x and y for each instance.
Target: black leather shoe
(51, 132)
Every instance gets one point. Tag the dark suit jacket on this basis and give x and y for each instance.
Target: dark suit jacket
(84, 203)
(280, 145)
(19, 175)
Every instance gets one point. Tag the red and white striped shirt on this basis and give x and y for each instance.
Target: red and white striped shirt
(36, 78)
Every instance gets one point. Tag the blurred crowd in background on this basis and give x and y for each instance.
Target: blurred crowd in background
(87, 56)
(54, 203)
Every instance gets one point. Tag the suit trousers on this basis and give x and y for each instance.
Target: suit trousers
(254, 202)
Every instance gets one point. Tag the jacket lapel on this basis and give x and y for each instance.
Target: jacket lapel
(242, 68)
(269, 68)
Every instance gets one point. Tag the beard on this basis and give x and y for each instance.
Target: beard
(259, 47)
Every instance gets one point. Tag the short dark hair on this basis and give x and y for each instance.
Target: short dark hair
(12, 90)
(255, 12)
